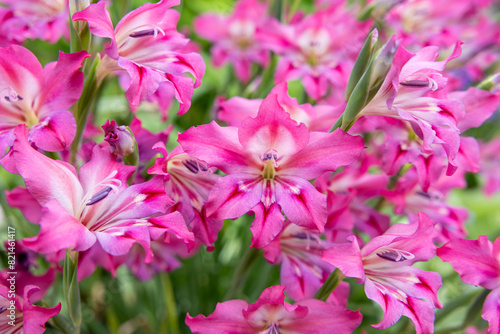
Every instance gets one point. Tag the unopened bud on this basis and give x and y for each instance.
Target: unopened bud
(120, 139)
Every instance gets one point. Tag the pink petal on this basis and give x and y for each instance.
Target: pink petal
(63, 82)
(218, 147)
(346, 257)
(226, 319)
(302, 204)
(100, 24)
(55, 132)
(233, 196)
(20, 198)
(473, 260)
(267, 225)
(35, 317)
(491, 311)
(64, 185)
(325, 152)
(324, 318)
(58, 231)
(273, 129)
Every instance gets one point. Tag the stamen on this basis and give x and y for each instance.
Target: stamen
(3, 309)
(300, 236)
(415, 83)
(424, 194)
(272, 329)
(99, 196)
(395, 255)
(152, 31)
(12, 95)
(192, 165)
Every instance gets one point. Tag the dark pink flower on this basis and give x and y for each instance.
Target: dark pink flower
(236, 37)
(384, 265)
(39, 97)
(20, 316)
(270, 314)
(268, 161)
(478, 263)
(145, 43)
(94, 205)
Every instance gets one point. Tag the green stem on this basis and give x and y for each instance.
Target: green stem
(83, 105)
(172, 312)
(241, 272)
(330, 284)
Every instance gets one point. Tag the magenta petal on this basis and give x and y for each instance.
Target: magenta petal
(491, 311)
(473, 260)
(55, 132)
(97, 16)
(20, 198)
(267, 225)
(144, 81)
(35, 317)
(421, 312)
(302, 204)
(325, 152)
(233, 196)
(346, 257)
(63, 82)
(226, 319)
(64, 185)
(205, 229)
(173, 223)
(324, 318)
(183, 91)
(393, 308)
(272, 129)
(58, 231)
(218, 147)
(118, 240)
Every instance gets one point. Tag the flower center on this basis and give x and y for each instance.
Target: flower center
(272, 329)
(269, 157)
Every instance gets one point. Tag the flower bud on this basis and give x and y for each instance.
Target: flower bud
(120, 139)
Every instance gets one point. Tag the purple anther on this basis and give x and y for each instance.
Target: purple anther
(392, 256)
(415, 83)
(19, 97)
(192, 165)
(99, 196)
(7, 98)
(143, 33)
(3, 309)
(300, 236)
(202, 166)
(424, 194)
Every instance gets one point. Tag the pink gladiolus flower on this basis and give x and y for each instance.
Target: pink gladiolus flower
(270, 314)
(319, 49)
(236, 37)
(188, 182)
(145, 43)
(299, 251)
(490, 166)
(39, 97)
(20, 316)
(478, 263)
(403, 95)
(95, 205)
(384, 266)
(268, 161)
